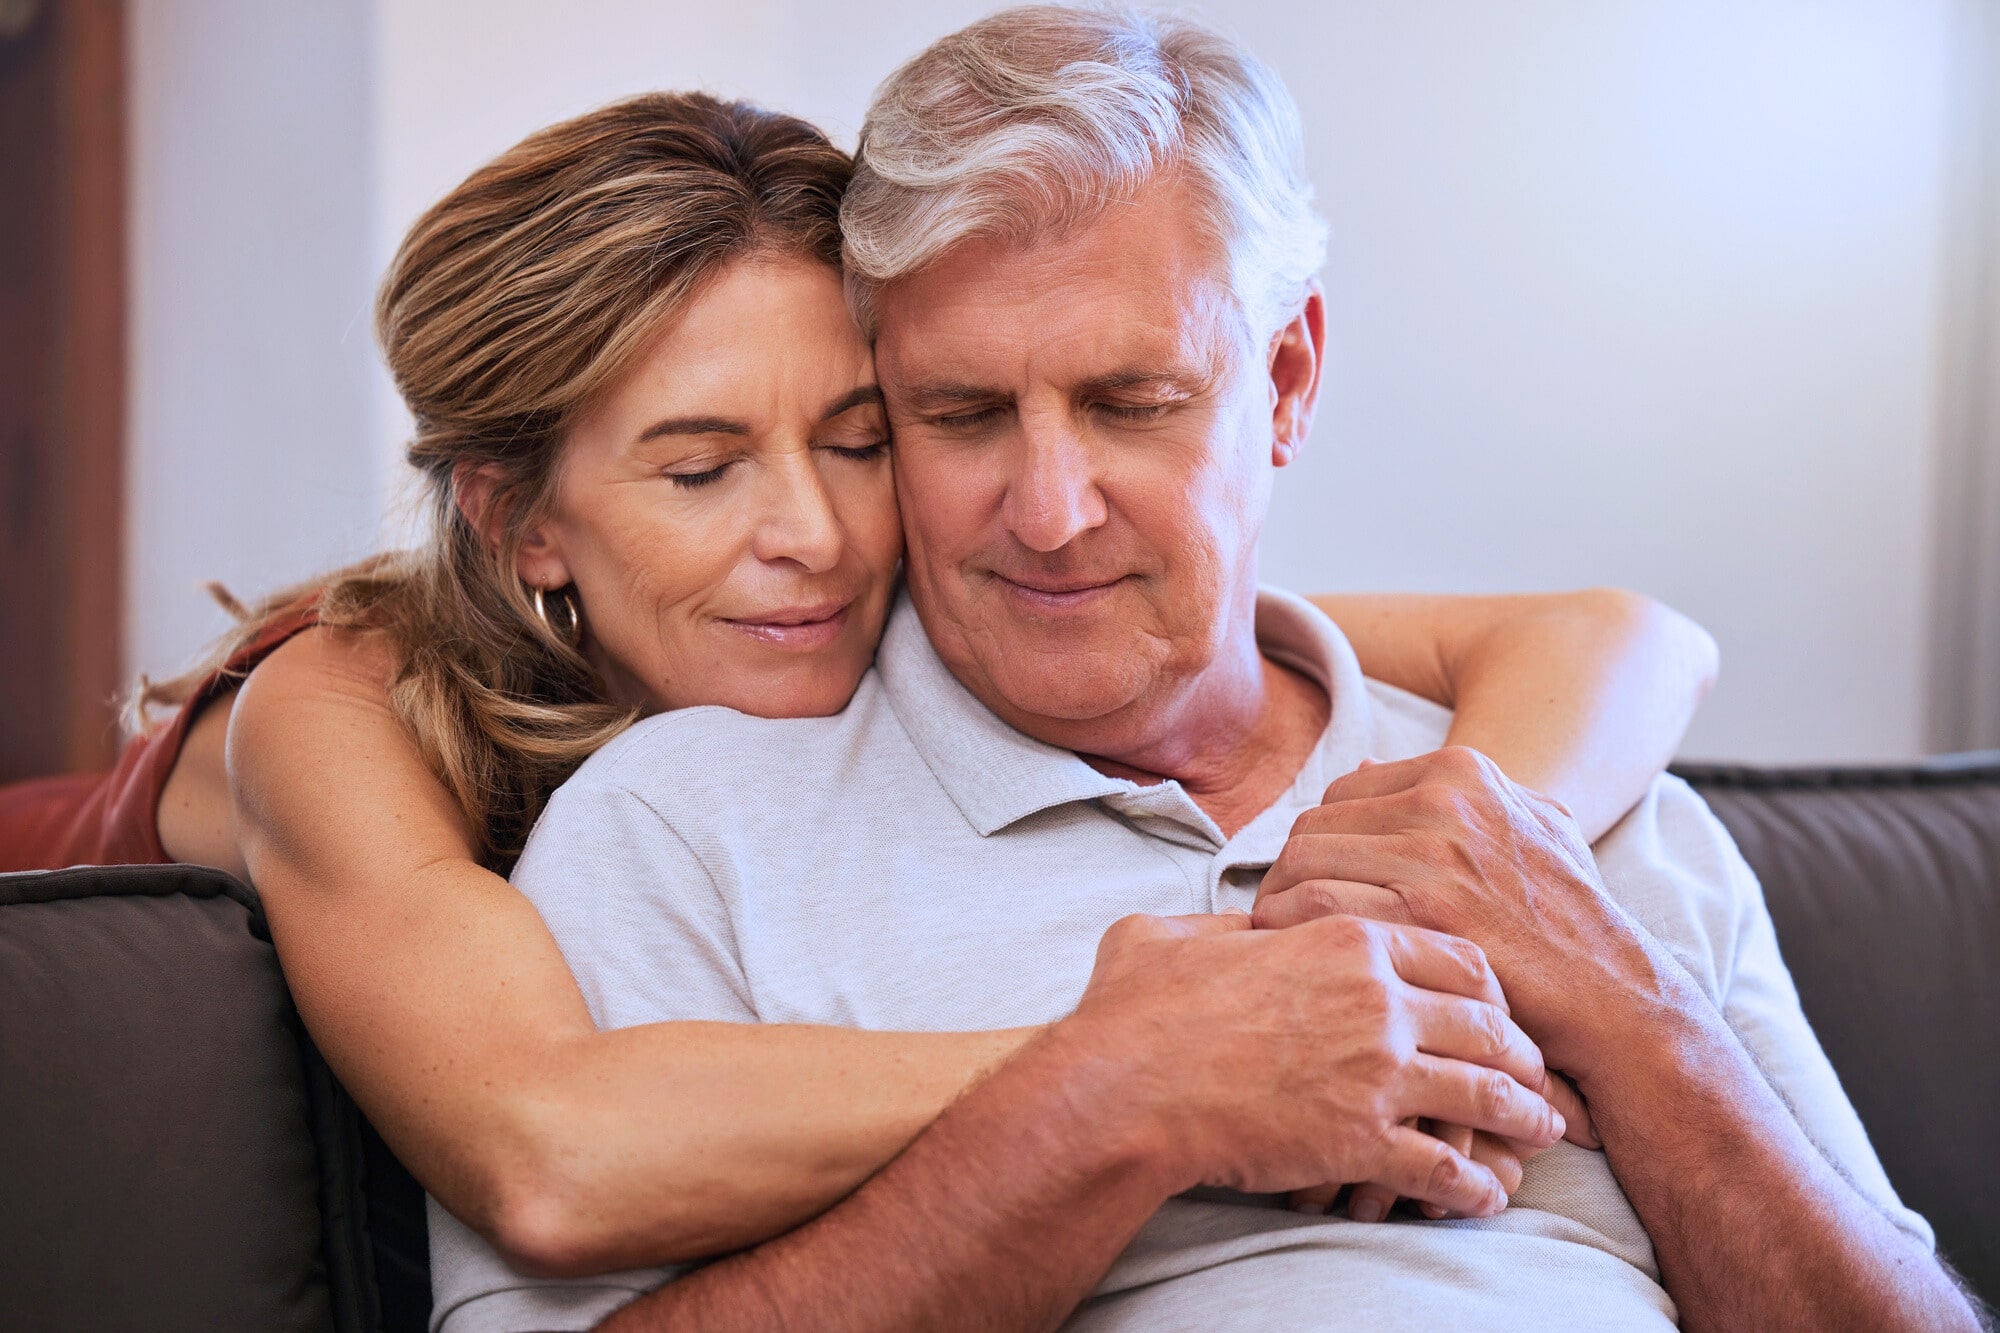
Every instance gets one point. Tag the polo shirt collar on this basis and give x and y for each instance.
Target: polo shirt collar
(993, 773)
(997, 776)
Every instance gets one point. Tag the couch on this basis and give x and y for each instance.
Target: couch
(174, 1154)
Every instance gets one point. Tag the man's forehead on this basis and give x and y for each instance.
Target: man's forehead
(1129, 295)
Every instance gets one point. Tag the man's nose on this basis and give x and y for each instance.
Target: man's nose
(797, 522)
(1053, 496)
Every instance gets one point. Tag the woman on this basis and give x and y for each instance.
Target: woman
(391, 733)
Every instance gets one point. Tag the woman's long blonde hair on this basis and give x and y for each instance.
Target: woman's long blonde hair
(513, 302)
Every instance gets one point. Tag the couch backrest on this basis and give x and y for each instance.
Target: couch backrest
(1884, 884)
(173, 1152)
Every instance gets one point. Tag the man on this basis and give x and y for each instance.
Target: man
(1087, 253)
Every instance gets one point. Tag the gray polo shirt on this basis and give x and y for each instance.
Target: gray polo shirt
(914, 863)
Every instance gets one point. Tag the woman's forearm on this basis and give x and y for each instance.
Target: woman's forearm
(439, 997)
(1583, 696)
(681, 1140)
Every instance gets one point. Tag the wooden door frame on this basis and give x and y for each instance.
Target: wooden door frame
(70, 64)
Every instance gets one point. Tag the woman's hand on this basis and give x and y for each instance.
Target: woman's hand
(1582, 696)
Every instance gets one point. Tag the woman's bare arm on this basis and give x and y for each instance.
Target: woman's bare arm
(441, 1000)
(1583, 696)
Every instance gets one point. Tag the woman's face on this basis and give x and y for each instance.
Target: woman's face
(726, 512)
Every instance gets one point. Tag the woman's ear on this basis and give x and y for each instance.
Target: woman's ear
(538, 562)
(1297, 353)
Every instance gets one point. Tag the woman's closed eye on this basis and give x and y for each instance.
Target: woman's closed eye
(860, 453)
(691, 480)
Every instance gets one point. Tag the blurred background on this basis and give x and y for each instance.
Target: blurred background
(1698, 297)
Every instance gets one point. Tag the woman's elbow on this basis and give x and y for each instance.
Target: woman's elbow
(533, 1194)
(1650, 630)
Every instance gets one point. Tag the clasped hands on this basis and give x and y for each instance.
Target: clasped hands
(1366, 1006)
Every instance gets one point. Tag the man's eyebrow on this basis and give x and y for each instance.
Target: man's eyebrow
(693, 426)
(950, 393)
(1136, 379)
(847, 402)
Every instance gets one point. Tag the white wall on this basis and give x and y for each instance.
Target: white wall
(252, 195)
(1630, 291)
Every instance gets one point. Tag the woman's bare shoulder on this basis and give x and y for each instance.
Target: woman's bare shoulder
(315, 744)
(323, 665)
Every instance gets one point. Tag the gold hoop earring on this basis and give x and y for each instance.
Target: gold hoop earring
(571, 632)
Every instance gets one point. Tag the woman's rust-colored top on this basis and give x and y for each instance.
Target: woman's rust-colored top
(114, 818)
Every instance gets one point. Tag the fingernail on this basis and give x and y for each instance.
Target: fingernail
(1562, 1126)
(1317, 1209)
(1368, 1210)
(1434, 1212)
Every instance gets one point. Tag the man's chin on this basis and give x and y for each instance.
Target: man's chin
(1063, 688)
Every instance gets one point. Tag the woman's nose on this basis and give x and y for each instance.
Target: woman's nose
(798, 523)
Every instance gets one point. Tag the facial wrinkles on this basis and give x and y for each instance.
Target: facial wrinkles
(789, 523)
(1178, 510)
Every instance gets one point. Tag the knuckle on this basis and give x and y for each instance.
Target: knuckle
(1129, 930)
(1493, 1094)
(1461, 760)
(1447, 1175)
(1342, 930)
(1471, 956)
(1489, 1029)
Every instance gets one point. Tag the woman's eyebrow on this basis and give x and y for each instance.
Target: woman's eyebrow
(693, 426)
(847, 402)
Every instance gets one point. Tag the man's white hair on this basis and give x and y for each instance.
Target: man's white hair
(1032, 120)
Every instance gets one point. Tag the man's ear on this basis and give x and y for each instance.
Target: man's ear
(1297, 353)
(539, 562)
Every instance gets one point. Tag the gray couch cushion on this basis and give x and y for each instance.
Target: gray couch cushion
(1885, 888)
(157, 1167)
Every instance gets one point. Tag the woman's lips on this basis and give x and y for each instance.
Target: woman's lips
(798, 629)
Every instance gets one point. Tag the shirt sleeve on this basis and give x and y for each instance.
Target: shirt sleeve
(648, 936)
(637, 916)
(1676, 867)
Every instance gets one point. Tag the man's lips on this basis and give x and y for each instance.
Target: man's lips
(1042, 593)
(799, 628)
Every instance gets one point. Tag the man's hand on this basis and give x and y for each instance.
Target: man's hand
(1273, 1061)
(1447, 841)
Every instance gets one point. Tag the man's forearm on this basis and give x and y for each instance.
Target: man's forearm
(1003, 1215)
(1752, 1227)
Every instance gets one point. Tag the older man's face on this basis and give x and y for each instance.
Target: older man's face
(1084, 448)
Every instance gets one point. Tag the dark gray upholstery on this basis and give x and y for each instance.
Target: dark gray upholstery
(1885, 887)
(157, 1168)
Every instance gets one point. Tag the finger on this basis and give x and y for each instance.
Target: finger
(1417, 1166)
(1499, 1157)
(1434, 961)
(1478, 1033)
(1370, 1202)
(1325, 897)
(1140, 928)
(1196, 924)
(1482, 1098)
(1377, 777)
(1360, 858)
(1363, 814)
(1318, 1199)
(1451, 763)
(1493, 1154)
(1562, 1094)
(1458, 1136)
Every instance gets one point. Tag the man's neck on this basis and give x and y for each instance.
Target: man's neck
(1235, 743)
